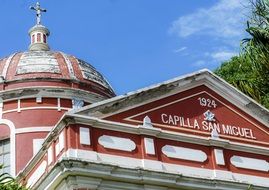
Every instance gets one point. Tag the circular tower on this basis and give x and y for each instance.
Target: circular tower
(36, 88)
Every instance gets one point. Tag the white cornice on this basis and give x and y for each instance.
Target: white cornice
(49, 91)
(100, 174)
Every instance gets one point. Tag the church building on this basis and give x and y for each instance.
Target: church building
(63, 127)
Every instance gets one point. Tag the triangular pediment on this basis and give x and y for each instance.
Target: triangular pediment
(195, 104)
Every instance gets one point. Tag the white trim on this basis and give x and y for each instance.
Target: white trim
(7, 63)
(36, 108)
(149, 146)
(69, 66)
(59, 104)
(219, 157)
(39, 99)
(138, 104)
(57, 149)
(84, 136)
(50, 155)
(184, 153)
(168, 104)
(37, 174)
(188, 171)
(180, 81)
(165, 134)
(19, 105)
(125, 179)
(37, 144)
(12, 145)
(250, 163)
(1, 108)
(117, 143)
(33, 129)
(61, 141)
(45, 91)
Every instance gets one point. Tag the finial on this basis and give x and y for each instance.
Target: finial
(214, 133)
(38, 10)
(147, 122)
(39, 33)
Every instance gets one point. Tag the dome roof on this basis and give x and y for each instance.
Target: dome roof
(53, 66)
(44, 68)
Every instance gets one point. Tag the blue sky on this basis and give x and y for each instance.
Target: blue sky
(134, 43)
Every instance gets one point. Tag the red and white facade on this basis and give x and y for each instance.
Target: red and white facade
(61, 127)
(193, 132)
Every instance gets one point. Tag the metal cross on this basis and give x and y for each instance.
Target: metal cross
(38, 10)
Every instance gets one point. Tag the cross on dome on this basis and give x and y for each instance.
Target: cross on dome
(38, 33)
(38, 10)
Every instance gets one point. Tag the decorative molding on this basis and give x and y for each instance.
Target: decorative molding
(50, 155)
(37, 174)
(147, 122)
(184, 153)
(214, 134)
(57, 149)
(37, 144)
(19, 105)
(250, 163)
(149, 146)
(219, 157)
(203, 174)
(33, 129)
(11, 126)
(7, 63)
(77, 103)
(61, 141)
(37, 108)
(59, 104)
(50, 92)
(117, 143)
(84, 136)
(39, 99)
(165, 134)
(69, 66)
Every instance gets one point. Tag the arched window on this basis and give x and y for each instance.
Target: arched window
(5, 155)
(38, 37)
(33, 38)
(44, 38)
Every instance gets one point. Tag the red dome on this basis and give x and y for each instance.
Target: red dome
(51, 68)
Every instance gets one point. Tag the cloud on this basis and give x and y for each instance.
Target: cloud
(180, 49)
(200, 63)
(225, 20)
(222, 55)
(213, 33)
(214, 59)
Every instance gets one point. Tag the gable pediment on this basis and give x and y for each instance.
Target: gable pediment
(194, 105)
(198, 111)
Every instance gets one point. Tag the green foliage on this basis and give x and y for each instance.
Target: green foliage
(238, 72)
(9, 183)
(249, 72)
